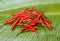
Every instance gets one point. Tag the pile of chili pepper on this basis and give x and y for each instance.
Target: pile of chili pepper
(29, 18)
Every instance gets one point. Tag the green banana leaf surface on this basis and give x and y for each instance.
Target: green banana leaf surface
(52, 12)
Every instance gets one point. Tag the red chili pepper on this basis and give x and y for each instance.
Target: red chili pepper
(49, 26)
(19, 24)
(9, 21)
(30, 28)
(41, 22)
(14, 24)
(47, 20)
(23, 29)
(18, 13)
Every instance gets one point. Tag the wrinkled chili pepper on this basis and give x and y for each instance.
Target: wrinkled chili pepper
(29, 18)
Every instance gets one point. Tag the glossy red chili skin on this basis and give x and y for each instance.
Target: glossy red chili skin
(14, 24)
(33, 16)
(9, 21)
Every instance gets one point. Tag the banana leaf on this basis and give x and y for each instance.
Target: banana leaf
(52, 12)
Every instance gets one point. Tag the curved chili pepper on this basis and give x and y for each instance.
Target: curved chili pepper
(23, 29)
(9, 21)
(14, 24)
(47, 20)
(48, 25)
(28, 27)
